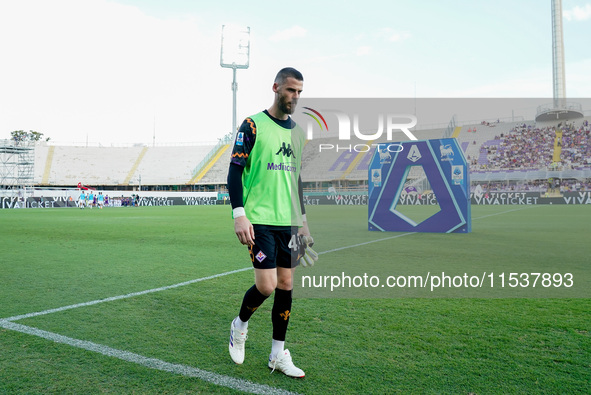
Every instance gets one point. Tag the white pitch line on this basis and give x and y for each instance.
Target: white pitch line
(152, 363)
(411, 233)
(365, 243)
(505, 212)
(126, 296)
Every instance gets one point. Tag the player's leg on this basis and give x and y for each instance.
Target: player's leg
(280, 358)
(262, 257)
(253, 298)
(281, 309)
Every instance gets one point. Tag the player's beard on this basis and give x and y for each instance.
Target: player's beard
(287, 107)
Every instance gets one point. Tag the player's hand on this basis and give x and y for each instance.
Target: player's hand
(309, 256)
(304, 230)
(244, 230)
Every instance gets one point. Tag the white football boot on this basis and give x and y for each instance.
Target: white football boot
(284, 364)
(236, 345)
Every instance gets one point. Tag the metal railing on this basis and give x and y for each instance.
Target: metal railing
(222, 141)
(558, 105)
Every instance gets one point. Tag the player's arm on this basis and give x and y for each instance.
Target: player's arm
(242, 147)
(304, 230)
(242, 226)
(308, 256)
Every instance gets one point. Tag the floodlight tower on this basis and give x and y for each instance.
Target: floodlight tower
(558, 79)
(235, 54)
(560, 108)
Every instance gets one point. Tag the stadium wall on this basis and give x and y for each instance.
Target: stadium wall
(429, 199)
(312, 199)
(69, 198)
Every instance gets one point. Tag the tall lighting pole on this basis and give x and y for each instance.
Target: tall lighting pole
(235, 54)
(560, 109)
(558, 80)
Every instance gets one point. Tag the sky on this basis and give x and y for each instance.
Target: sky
(114, 72)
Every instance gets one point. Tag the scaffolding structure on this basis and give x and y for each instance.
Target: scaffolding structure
(17, 164)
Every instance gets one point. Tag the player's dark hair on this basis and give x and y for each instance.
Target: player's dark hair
(287, 72)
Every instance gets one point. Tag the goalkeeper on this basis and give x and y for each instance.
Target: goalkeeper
(269, 217)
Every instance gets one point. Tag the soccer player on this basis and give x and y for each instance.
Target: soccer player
(101, 200)
(266, 194)
(82, 199)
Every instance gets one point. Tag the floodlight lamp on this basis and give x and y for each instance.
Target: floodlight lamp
(235, 51)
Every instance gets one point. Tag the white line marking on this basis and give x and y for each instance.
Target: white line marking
(408, 234)
(505, 212)
(152, 363)
(366, 242)
(130, 295)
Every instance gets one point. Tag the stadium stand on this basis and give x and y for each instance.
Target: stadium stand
(473, 136)
(64, 165)
(530, 147)
(218, 172)
(576, 146)
(331, 164)
(523, 151)
(170, 165)
(216, 154)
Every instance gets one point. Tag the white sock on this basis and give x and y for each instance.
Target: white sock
(276, 348)
(240, 325)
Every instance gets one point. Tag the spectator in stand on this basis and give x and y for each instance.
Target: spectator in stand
(526, 147)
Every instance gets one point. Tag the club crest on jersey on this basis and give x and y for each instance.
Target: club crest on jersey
(260, 256)
(286, 151)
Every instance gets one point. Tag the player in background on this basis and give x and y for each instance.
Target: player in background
(101, 200)
(266, 194)
(82, 199)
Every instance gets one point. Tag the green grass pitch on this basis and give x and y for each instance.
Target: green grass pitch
(173, 340)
